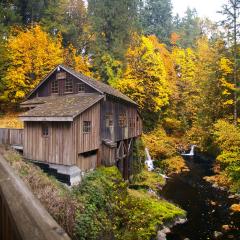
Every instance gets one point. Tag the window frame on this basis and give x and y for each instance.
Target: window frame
(109, 122)
(67, 85)
(87, 127)
(83, 85)
(45, 130)
(55, 87)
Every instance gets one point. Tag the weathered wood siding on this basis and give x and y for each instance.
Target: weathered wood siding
(86, 142)
(117, 133)
(22, 217)
(108, 155)
(56, 148)
(11, 136)
(87, 163)
(45, 89)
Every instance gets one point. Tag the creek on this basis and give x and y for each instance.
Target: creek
(207, 207)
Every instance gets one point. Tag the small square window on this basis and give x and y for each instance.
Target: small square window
(68, 86)
(45, 130)
(81, 87)
(55, 87)
(86, 126)
(109, 119)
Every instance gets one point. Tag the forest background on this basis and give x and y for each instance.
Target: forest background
(182, 71)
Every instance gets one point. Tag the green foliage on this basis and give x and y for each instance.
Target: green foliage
(188, 28)
(102, 193)
(148, 180)
(156, 19)
(111, 24)
(227, 139)
(145, 213)
(111, 211)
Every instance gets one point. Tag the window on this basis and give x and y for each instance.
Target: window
(86, 126)
(54, 86)
(61, 75)
(45, 130)
(81, 87)
(109, 119)
(68, 86)
(122, 120)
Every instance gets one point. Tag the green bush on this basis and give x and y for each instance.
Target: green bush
(111, 211)
(227, 141)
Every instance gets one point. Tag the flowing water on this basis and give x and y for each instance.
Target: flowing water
(207, 208)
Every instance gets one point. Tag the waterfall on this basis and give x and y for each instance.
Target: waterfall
(191, 153)
(149, 161)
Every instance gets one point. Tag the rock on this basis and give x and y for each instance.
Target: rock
(181, 221)
(225, 228)
(217, 234)
(213, 203)
(163, 233)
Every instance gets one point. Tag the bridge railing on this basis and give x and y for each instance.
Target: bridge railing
(11, 136)
(22, 217)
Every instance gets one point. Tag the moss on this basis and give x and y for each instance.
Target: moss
(148, 180)
(145, 214)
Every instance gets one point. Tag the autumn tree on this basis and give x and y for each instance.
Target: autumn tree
(187, 91)
(145, 79)
(32, 54)
(76, 61)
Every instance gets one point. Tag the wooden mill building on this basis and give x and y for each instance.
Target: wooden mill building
(75, 123)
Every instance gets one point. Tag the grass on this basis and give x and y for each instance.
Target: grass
(10, 120)
(148, 180)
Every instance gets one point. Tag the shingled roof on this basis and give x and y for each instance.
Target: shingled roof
(64, 107)
(97, 85)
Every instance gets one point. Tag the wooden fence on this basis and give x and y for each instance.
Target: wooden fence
(11, 136)
(22, 217)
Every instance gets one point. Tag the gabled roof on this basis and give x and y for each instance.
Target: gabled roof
(97, 85)
(59, 108)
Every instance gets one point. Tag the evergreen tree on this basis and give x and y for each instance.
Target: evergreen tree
(231, 11)
(112, 22)
(156, 19)
(189, 28)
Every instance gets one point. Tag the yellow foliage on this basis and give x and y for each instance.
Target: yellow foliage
(10, 120)
(32, 54)
(145, 78)
(77, 62)
(235, 208)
